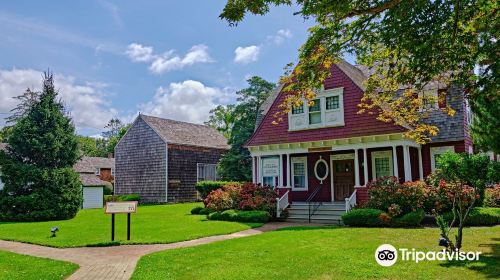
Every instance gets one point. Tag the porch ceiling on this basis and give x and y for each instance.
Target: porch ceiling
(373, 141)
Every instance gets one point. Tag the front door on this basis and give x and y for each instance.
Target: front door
(343, 178)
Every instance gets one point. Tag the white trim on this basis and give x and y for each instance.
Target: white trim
(253, 170)
(280, 179)
(407, 163)
(365, 165)
(343, 156)
(321, 179)
(302, 159)
(381, 154)
(332, 190)
(356, 168)
(288, 170)
(437, 151)
(395, 161)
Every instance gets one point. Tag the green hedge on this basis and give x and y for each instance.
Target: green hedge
(479, 216)
(206, 187)
(367, 217)
(241, 216)
(117, 198)
(196, 210)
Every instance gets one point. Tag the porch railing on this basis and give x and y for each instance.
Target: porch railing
(313, 205)
(282, 203)
(350, 201)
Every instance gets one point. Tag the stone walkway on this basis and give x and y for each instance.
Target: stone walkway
(118, 262)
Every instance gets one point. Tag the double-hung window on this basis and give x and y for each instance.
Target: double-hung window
(299, 173)
(270, 171)
(326, 110)
(207, 172)
(315, 112)
(382, 164)
(436, 152)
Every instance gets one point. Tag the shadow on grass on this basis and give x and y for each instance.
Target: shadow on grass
(488, 264)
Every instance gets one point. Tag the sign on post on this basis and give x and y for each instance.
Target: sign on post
(125, 207)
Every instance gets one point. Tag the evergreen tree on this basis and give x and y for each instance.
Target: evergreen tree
(37, 169)
(236, 164)
(486, 123)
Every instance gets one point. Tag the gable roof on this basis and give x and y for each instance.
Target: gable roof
(89, 164)
(266, 105)
(184, 133)
(92, 180)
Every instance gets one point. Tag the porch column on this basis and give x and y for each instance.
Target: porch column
(280, 180)
(288, 176)
(365, 165)
(254, 175)
(258, 170)
(356, 168)
(420, 165)
(406, 157)
(395, 161)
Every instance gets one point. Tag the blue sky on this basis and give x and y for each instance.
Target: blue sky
(173, 59)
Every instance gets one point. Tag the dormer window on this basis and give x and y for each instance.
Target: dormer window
(98, 171)
(315, 112)
(430, 99)
(327, 110)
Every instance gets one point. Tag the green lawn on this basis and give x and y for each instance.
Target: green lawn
(322, 253)
(151, 224)
(14, 266)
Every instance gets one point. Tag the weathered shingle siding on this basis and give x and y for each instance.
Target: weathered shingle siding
(140, 164)
(182, 170)
(450, 128)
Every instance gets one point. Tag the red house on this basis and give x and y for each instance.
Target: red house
(322, 156)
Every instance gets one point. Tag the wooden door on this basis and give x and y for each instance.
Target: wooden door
(343, 178)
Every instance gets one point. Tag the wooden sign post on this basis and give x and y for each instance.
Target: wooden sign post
(126, 207)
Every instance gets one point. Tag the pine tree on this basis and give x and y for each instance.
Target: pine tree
(37, 168)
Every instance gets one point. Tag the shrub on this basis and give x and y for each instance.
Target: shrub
(365, 217)
(242, 197)
(206, 211)
(411, 219)
(206, 187)
(107, 190)
(479, 216)
(196, 210)
(241, 216)
(492, 198)
(118, 198)
(387, 194)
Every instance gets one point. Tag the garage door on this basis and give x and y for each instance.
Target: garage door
(92, 197)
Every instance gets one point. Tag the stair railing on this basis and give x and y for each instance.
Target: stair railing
(282, 203)
(312, 204)
(350, 201)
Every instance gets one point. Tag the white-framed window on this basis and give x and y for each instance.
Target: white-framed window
(206, 172)
(98, 171)
(270, 167)
(326, 110)
(299, 173)
(436, 152)
(382, 164)
(430, 99)
(113, 171)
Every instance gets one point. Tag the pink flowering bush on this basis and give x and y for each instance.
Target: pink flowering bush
(493, 196)
(242, 197)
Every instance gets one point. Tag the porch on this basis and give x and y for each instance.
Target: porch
(331, 170)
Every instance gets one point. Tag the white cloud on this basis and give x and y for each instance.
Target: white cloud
(86, 102)
(167, 61)
(280, 36)
(139, 53)
(246, 55)
(189, 101)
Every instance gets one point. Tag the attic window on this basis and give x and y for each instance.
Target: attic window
(98, 171)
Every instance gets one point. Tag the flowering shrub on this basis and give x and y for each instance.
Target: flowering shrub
(242, 197)
(493, 196)
(389, 195)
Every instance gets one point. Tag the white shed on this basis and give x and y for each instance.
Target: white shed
(92, 197)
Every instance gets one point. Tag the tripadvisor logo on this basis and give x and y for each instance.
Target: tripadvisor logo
(387, 255)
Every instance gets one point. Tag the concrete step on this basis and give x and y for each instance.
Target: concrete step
(318, 212)
(323, 207)
(315, 216)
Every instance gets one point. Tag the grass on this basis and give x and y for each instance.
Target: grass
(323, 253)
(151, 224)
(15, 266)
